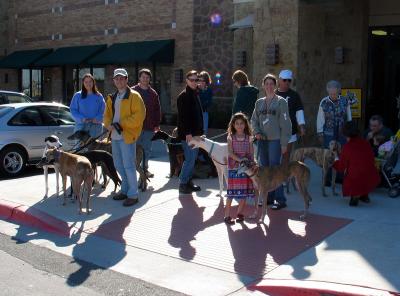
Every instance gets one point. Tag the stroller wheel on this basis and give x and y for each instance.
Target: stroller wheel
(394, 192)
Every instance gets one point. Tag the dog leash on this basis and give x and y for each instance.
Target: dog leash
(88, 143)
(218, 136)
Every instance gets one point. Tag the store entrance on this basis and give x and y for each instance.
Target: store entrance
(384, 75)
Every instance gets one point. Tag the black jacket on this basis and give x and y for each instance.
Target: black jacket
(190, 114)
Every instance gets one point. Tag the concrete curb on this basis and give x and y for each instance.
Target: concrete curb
(32, 217)
(280, 287)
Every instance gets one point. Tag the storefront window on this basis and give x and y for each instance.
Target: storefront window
(32, 83)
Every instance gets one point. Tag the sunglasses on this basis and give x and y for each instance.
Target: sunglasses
(193, 79)
(288, 80)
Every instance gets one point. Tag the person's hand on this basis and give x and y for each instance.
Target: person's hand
(283, 150)
(188, 138)
(110, 128)
(302, 129)
(156, 129)
(258, 136)
(370, 135)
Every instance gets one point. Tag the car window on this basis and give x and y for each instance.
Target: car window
(14, 98)
(4, 110)
(3, 99)
(61, 115)
(27, 117)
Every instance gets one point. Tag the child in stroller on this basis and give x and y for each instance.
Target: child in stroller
(390, 165)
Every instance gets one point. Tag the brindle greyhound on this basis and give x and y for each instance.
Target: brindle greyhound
(79, 169)
(267, 179)
(324, 158)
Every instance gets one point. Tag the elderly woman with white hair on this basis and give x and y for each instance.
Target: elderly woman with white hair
(334, 111)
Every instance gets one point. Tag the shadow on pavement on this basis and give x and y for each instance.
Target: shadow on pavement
(187, 222)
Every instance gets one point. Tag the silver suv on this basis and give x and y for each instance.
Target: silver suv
(10, 97)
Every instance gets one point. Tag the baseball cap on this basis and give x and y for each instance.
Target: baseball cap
(286, 74)
(120, 71)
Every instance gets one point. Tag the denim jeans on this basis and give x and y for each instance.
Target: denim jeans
(188, 165)
(269, 154)
(94, 129)
(205, 122)
(145, 141)
(124, 156)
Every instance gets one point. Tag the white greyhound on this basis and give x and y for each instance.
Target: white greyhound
(51, 142)
(219, 155)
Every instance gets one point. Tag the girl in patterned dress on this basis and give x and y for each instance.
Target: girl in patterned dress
(240, 147)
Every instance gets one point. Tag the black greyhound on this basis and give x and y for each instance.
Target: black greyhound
(175, 151)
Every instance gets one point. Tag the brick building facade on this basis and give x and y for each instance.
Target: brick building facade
(319, 40)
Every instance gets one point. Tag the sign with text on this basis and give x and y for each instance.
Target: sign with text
(353, 95)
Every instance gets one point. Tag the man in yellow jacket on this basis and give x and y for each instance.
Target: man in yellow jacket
(123, 116)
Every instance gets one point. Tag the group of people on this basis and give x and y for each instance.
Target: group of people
(131, 115)
(262, 129)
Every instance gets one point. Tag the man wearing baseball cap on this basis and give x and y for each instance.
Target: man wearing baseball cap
(296, 109)
(123, 116)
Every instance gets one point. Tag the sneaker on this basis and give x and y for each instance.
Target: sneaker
(278, 206)
(193, 186)
(240, 218)
(120, 196)
(130, 202)
(229, 221)
(365, 198)
(185, 189)
(353, 202)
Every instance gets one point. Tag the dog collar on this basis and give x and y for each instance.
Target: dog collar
(212, 148)
(57, 155)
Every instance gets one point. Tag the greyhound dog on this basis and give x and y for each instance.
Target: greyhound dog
(105, 160)
(79, 169)
(324, 158)
(175, 152)
(267, 179)
(219, 155)
(51, 142)
(85, 139)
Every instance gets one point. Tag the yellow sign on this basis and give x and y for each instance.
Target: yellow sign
(353, 95)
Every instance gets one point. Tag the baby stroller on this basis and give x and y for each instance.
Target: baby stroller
(391, 170)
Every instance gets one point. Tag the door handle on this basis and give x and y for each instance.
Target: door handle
(59, 133)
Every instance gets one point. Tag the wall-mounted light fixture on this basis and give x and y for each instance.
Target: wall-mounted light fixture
(241, 58)
(272, 54)
(339, 55)
(179, 75)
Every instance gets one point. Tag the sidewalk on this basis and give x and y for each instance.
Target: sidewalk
(181, 242)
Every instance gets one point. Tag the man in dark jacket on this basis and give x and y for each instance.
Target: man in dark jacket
(246, 96)
(190, 123)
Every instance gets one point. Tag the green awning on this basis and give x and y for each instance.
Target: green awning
(24, 58)
(75, 55)
(161, 51)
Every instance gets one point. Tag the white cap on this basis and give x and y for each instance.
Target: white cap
(286, 74)
(120, 71)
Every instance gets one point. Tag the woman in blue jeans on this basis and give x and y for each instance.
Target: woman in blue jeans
(272, 128)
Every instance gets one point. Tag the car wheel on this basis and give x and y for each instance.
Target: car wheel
(12, 161)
